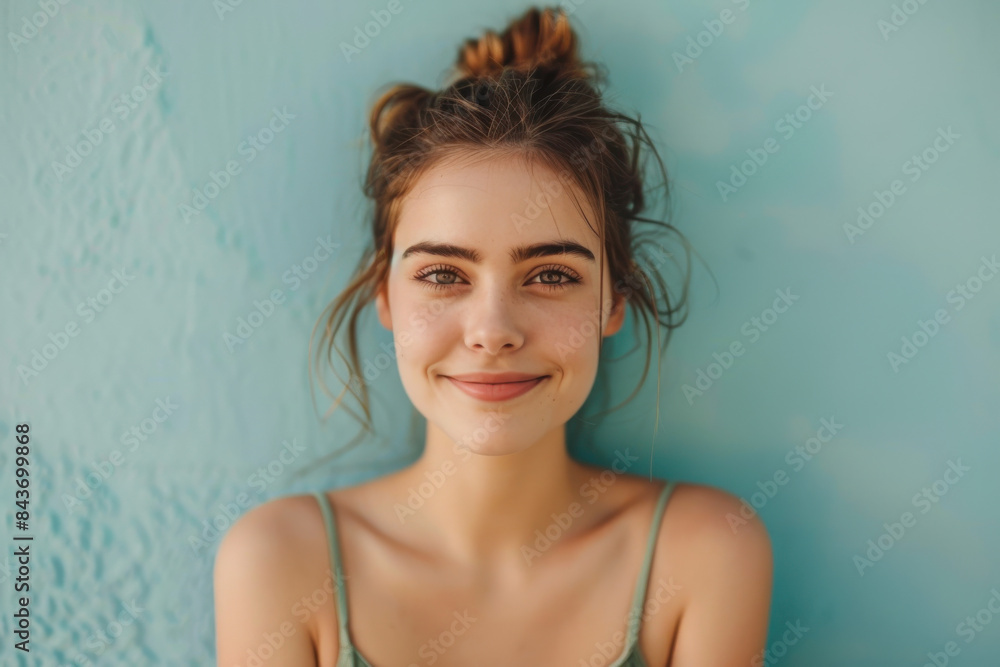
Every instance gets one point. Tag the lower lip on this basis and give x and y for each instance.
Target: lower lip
(497, 392)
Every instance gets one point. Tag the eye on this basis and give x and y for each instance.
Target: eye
(435, 271)
(557, 271)
(452, 277)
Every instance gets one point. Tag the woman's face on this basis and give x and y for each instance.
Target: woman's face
(458, 304)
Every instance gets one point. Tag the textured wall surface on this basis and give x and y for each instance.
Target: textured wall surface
(119, 305)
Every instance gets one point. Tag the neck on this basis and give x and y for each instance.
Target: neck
(482, 509)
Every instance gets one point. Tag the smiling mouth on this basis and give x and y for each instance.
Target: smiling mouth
(497, 391)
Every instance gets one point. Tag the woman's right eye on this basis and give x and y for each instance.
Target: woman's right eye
(435, 284)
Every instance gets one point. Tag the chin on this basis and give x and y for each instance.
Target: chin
(488, 437)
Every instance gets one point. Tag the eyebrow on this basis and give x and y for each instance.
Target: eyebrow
(517, 255)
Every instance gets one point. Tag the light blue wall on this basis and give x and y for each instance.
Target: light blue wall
(64, 233)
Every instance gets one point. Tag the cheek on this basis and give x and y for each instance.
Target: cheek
(421, 327)
(574, 337)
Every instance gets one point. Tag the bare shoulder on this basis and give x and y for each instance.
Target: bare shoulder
(272, 534)
(712, 524)
(722, 561)
(267, 561)
(704, 531)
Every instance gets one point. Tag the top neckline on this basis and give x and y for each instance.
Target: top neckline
(635, 612)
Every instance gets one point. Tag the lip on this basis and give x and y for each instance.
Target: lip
(494, 378)
(499, 387)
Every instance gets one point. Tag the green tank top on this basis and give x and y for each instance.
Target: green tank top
(630, 656)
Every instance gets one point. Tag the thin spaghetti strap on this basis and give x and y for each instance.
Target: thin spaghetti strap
(338, 581)
(639, 598)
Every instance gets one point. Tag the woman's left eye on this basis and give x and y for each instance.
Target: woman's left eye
(556, 272)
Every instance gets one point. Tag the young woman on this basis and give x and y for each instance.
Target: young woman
(502, 256)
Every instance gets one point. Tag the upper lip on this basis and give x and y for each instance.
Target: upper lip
(495, 378)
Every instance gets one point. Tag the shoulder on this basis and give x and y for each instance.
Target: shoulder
(702, 523)
(723, 563)
(703, 529)
(269, 535)
(267, 561)
(714, 522)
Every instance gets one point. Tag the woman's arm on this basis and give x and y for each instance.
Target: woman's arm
(258, 583)
(730, 569)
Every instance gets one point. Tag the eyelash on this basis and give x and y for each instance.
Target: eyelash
(573, 278)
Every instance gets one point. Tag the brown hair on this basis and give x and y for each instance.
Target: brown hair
(523, 92)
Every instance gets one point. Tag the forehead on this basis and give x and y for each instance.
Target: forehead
(495, 203)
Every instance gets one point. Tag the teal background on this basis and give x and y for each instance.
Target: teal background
(131, 540)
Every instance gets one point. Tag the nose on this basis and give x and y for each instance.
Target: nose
(491, 324)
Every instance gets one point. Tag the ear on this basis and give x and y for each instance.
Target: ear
(382, 306)
(617, 317)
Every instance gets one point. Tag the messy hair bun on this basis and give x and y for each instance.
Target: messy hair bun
(540, 39)
(522, 92)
